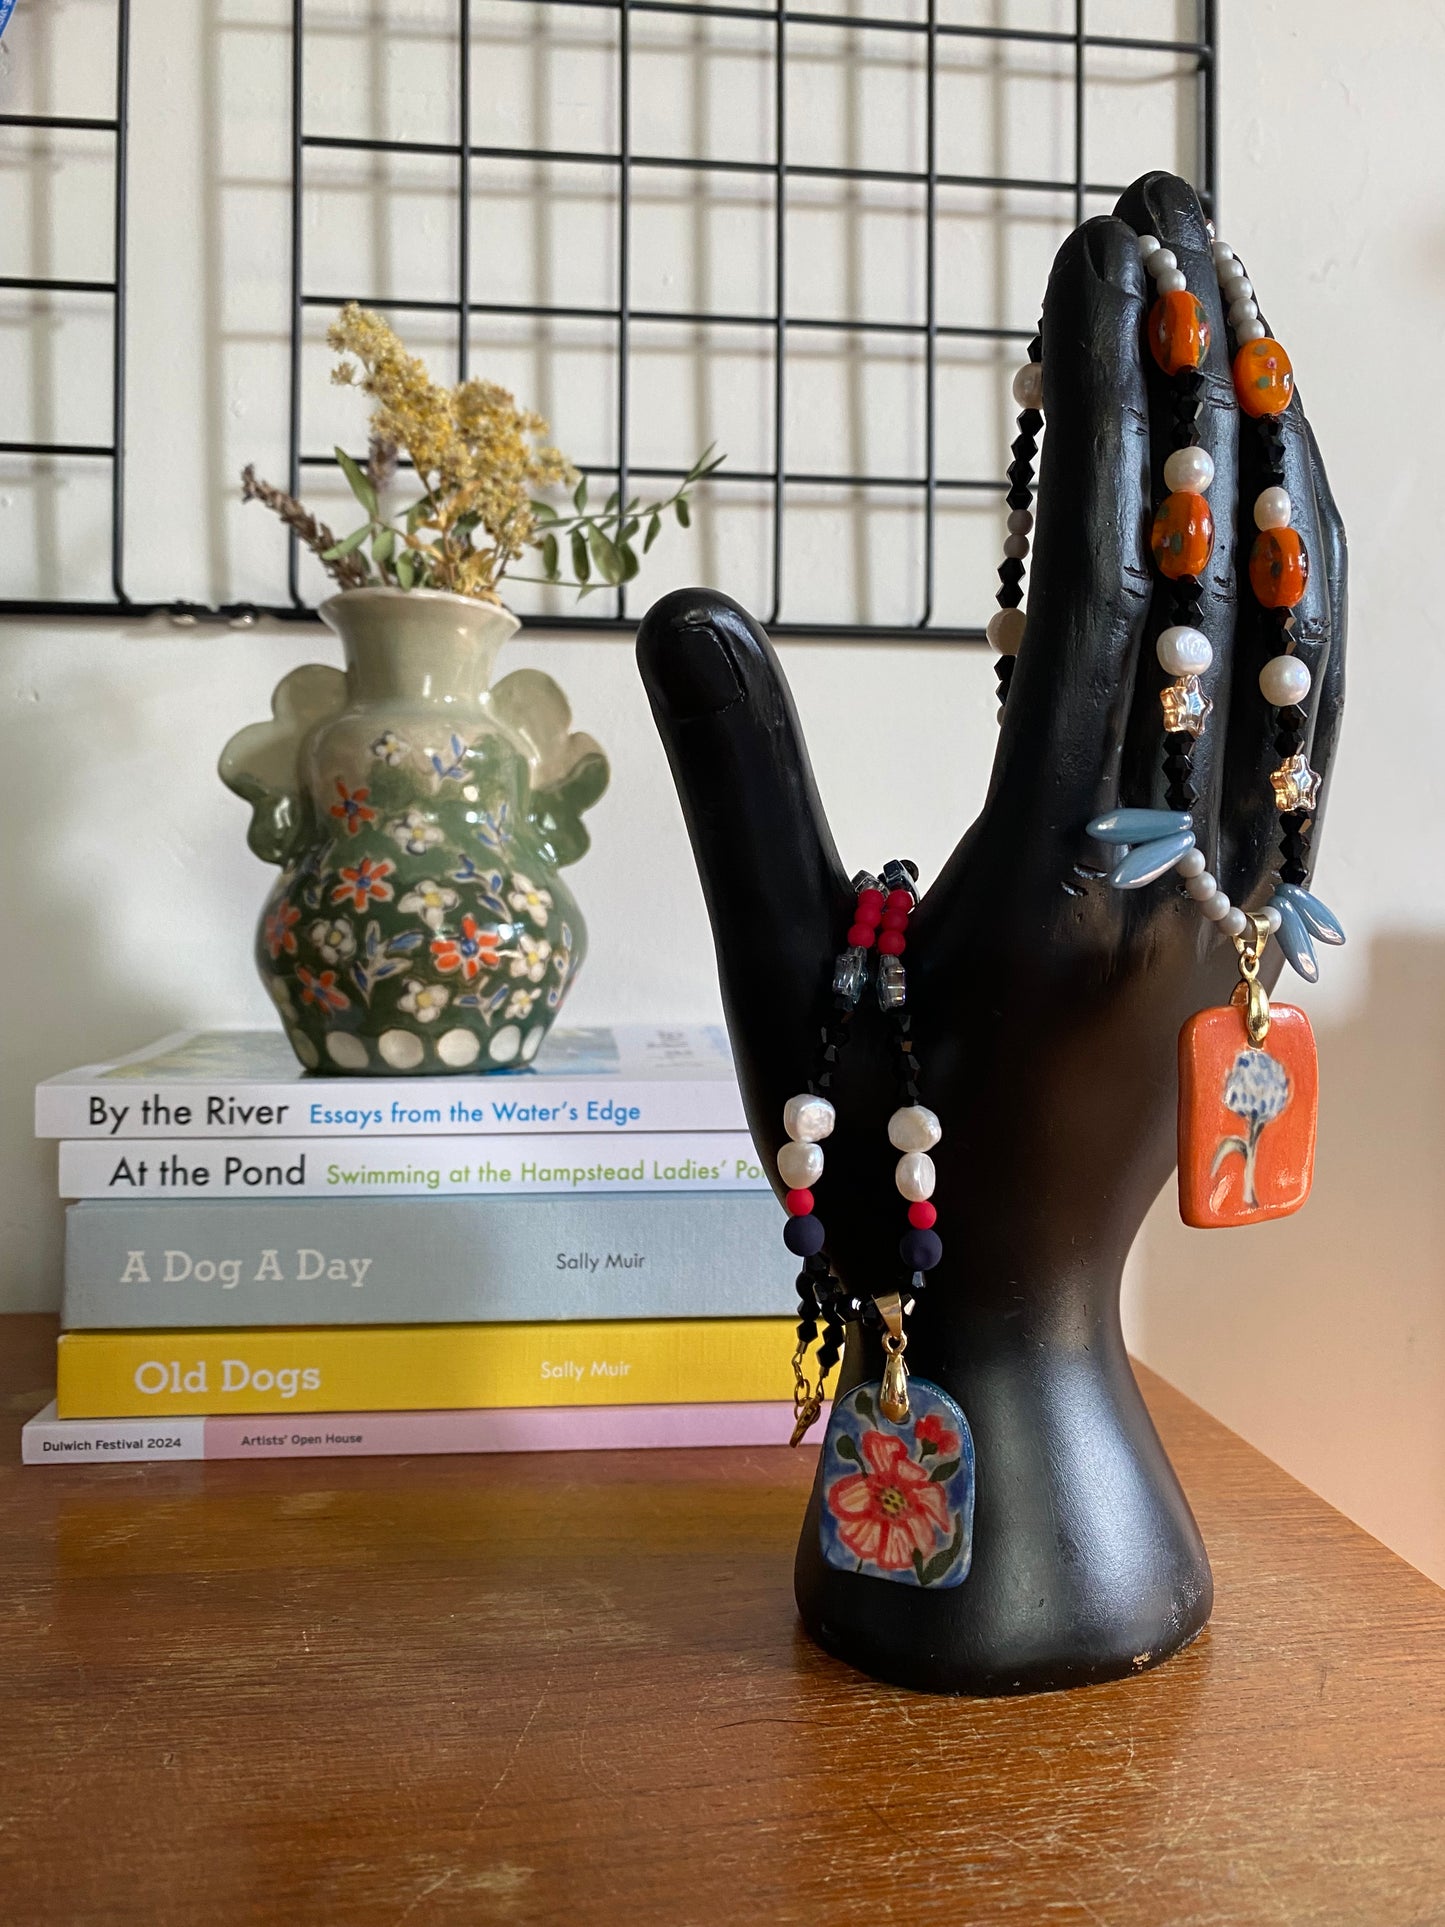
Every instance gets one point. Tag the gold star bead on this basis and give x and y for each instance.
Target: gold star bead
(1186, 707)
(1296, 786)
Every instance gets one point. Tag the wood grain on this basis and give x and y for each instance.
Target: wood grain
(391, 1693)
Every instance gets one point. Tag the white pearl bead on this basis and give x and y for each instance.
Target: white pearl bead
(1006, 630)
(1019, 521)
(1201, 887)
(1242, 311)
(1272, 918)
(1161, 261)
(1284, 680)
(1183, 651)
(807, 1118)
(1148, 244)
(915, 1176)
(914, 1128)
(1016, 547)
(1172, 283)
(1190, 469)
(1223, 258)
(1028, 385)
(1235, 924)
(1191, 864)
(1237, 287)
(800, 1165)
(1272, 509)
(1216, 908)
(1249, 331)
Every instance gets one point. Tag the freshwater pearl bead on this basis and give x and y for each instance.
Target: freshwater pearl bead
(1216, 908)
(1183, 651)
(1028, 385)
(1241, 311)
(1272, 509)
(1161, 261)
(1201, 887)
(1272, 918)
(807, 1118)
(915, 1176)
(914, 1128)
(1006, 630)
(1148, 244)
(1016, 546)
(1020, 521)
(1172, 282)
(1234, 924)
(1223, 258)
(1250, 331)
(1284, 680)
(800, 1165)
(1236, 287)
(1191, 864)
(1189, 468)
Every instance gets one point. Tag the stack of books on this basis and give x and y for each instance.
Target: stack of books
(264, 1262)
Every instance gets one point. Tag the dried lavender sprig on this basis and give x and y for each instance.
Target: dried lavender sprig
(349, 570)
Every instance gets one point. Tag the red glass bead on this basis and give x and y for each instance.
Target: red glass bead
(895, 919)
(1263, 377)
(1279, 568)
(798, 1204)
(860, 935)
(1183, 535)
(1178, 332)
(869, 907)
(892, 943)
(922, 1215)
(900, 900)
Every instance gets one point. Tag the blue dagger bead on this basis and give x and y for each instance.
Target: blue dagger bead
(1147, 861)
(1294, 940)
(1321, 922)
(1139, 826)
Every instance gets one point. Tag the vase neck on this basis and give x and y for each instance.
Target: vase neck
(417, 648)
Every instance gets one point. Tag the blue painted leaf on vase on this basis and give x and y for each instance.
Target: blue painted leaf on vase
(896, 1498)
(1321, 922)
(1139, 826)
(1147, 861)
(1294, 940)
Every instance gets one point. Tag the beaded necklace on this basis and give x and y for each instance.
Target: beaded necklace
(897, 1462)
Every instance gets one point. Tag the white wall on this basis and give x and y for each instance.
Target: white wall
(130, 895)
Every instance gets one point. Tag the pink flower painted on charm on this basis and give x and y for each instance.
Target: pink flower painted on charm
(893, 1509)
(277, 932)
(931, 1430)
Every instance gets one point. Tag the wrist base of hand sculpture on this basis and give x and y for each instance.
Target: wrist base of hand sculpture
(1047, 1006)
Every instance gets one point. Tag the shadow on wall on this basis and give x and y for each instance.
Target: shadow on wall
(1321, 1337)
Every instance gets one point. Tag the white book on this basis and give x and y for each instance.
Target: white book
(191, 1168)
(248, 1084)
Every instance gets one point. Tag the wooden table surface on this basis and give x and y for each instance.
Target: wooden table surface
(392, 1693)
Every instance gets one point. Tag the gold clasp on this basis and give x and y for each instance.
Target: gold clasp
(1251, 992)
(893, 1393)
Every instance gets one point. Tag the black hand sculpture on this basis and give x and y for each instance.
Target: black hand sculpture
(1046, 1003)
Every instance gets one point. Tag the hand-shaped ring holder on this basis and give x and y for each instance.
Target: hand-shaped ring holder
(1047, 991)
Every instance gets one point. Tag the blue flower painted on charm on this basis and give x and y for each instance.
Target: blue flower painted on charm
(897, 1496)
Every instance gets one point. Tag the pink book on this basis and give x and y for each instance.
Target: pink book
(48, 1440)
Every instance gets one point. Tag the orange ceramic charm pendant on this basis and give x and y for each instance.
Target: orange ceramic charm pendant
(1279, 568)
(1182, 538)
(1263, 377)
(1178, 332)
(1246, 1117)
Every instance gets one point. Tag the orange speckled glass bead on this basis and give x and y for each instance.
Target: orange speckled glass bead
(1279, 568)
(1247, 1117)
(1183, 535)
(1178, 332)
(1263, 377)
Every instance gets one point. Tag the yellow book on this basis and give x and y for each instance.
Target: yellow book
(410, 1368)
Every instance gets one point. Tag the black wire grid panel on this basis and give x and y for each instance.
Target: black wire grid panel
(468, 157)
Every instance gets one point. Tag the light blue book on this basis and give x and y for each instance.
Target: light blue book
(134, 1265)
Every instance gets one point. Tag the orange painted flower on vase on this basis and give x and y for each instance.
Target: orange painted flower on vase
(1178, 332)
(1279, 568)
(1183, 535)
(1247, 1116)
(1263, 377)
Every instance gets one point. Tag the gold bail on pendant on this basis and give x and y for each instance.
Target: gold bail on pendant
(893, 1394)
(1251, 992)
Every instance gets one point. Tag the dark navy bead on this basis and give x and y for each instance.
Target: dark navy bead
(803, 1236)
(919, 1250)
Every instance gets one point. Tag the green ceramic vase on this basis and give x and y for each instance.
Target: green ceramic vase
(419, 818)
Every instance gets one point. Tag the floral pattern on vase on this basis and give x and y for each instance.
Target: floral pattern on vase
(897, 1495)
(419, 818)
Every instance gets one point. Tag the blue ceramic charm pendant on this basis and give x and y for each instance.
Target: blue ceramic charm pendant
(897, 1497)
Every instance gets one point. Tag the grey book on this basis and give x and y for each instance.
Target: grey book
(404, 1261)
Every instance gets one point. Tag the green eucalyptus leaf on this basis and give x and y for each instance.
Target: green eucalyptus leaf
(579, 495)
(348, 543)
(543, 511)
(628, 557)
(604, 554)
(628, 529)
(613, 499)
(360, 482)
(383, 547)
(581, 567)
(682, 512)
(416, 515)
(406, 569)
(654, 529)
